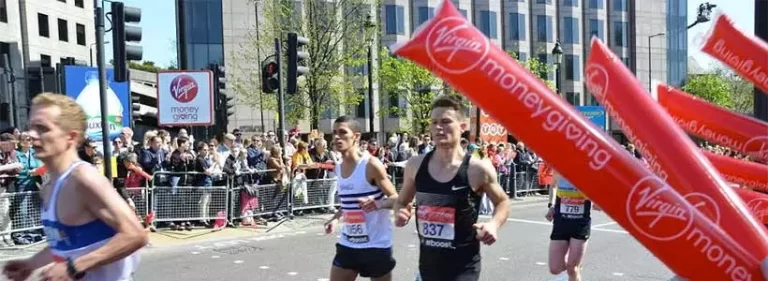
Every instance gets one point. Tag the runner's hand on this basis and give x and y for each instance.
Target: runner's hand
(486, 232)
(368, 204)
(55, 272)
(550, 214)
(403, 215)
(329, 227)
(17, 270)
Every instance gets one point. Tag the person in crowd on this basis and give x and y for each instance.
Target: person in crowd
(27, 183)
(9, 168)
(225, 148)
(290, 146)
(238, 136)
(153, 159)
(278, 174)
(257, 156)
(88, 151)
(426, 145)
(204, 164)
(127, 136)
(135, 181)
(182, 161)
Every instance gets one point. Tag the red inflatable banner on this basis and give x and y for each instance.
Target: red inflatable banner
(747, 55)
(756, 202)
(713, 123)
(669, 151)
(740, 172)
(656, 215)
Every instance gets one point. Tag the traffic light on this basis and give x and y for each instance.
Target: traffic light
(122, 35)
(269, 81)
(135, 108)
(229, 104)
(297, 59)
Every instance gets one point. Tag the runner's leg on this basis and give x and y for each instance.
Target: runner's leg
(575, 255)
(386, 277)
(557, 251)
(341, 274)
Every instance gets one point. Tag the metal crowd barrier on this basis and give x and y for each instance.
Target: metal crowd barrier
(255, 194)
(172, 202)
(521, 181)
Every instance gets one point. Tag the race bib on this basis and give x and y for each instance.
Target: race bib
(355, 228)
(436, 222)
(570, 206)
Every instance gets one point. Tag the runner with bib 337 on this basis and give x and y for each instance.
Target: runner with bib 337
(571, 225)
(448, 185)
(365, 244)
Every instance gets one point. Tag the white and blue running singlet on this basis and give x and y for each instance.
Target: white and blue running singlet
(359, 229)
(73, 241)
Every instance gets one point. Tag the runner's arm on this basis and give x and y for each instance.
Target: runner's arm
(487, 181)
(42, 258)
(406, 195)
(106, 205)
(378, 176)
(553, 190)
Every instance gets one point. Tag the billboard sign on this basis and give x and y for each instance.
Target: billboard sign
(185, 98)
(491, 131)
(82, 84)
(596, 114)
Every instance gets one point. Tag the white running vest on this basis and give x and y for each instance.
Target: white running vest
(73, 241)
(362, 230)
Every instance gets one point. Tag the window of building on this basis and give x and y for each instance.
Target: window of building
(395, 16)
(3, 11)
(463, 12)
(627, 61)
(488, 24)
(80, 30)
(571, 3)
(573, 98)
(79, 3)
(361, 107)
(517, 26)
(543, 1)
(620, 5)
(596, 4)
(45, 60)
(596, 28)
(5, 50)
(544, 28)
(63, 31)
(620, 33)
(522, 56)
(590, 100)
(63, 1)
(571, 30)
(425, 13)
(42, 25)
(572, 69)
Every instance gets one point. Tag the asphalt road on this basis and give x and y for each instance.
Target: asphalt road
(520, 254)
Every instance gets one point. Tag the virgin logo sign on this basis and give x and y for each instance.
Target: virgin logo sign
(652, 214)
(183, 88)
(451, 36)
(597, 80)
(759, 207)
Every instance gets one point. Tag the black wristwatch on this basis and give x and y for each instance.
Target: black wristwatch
(72, 271)
(549, 206)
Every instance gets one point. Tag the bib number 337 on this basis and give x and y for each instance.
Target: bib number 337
(354, 224)
(436, 222)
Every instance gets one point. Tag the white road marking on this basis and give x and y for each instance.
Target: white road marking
(195, 253)
(215, 257)
(540, 263)
(549, 223)
(292, 273)
(411, 246)
(561, 277)
(618, 274)
(239, 261)
(611, 230)
(504, 259)
(323, 279)
(605, 224)
(263, 267)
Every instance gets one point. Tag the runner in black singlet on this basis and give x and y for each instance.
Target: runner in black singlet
(448, 185)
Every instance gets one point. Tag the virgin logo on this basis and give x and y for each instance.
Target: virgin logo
(705, 205)
(757, 147)
(454, 35)
(597, 80)
(653, 211)
(183, 88)
(759, 208)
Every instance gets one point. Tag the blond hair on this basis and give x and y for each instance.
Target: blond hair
(71, 115)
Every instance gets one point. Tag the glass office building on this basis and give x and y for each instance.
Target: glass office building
(677, 42)
(200, 33)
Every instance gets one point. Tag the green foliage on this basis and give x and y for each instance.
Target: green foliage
(339, 33)
(741, 91)
(148, 66)
(711, 88)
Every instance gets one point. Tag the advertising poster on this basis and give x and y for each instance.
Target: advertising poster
(491, 131)
(596, 114)
(185, 98)
(82, 84)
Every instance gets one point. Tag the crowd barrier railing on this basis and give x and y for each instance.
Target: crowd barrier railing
(256, 193)
(19, 214)
(189, 197)
(521, 180)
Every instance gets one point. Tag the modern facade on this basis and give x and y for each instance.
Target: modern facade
(35, 33)
(530, 28)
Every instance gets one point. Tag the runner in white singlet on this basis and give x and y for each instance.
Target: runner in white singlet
(365, 244)
(92, 233)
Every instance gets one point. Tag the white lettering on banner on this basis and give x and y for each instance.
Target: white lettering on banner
(757, 147)
(95, 124)
(646, 209)
(745, 182)
(705, 204)
(746, 65)
(184, 113)
(451, 36)
(759, 207)
(553, 120)
(597, 83)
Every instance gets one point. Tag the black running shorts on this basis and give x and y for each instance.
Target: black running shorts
(452, 271)
(369, 263)
(564, 229)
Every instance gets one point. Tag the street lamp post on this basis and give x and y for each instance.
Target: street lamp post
(557, 54)
(90, 49)
(370, 26)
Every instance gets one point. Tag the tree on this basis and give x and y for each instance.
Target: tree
(338, 31)
(415, 87)
(740, 90)
(711, 88)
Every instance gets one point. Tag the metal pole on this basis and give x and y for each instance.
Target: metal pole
(258, 55)
(370, 90)
(91, 51)
(8, 69)
(650, 63)
(103, 88)
(280, 98)
(761, 31)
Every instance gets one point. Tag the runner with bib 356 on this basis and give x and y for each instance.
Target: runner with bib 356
(365, 244)
(571, 225)
(448, 185)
